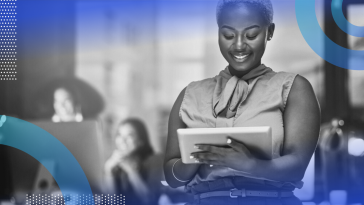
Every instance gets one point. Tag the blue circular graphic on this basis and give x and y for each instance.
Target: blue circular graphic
(309, 27)
(342, 22)
(41, 145)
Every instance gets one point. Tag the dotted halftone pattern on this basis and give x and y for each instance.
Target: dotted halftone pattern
(8, 40)
(74, 199)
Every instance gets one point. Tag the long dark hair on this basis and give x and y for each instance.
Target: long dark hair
(145, 150)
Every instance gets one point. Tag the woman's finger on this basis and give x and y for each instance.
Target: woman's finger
(237, 146)
(204, 156)
(211, 148)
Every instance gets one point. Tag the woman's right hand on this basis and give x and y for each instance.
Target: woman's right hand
(177, 173)
(113, 161)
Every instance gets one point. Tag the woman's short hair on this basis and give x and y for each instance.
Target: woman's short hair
(265, 6)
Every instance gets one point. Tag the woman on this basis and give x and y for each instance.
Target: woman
(133, 170)
(67, 99)
(246, 93)
(66, 108)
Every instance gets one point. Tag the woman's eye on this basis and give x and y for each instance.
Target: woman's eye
(251, 37)
(229, 36)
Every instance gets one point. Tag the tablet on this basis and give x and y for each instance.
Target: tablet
(257, 139)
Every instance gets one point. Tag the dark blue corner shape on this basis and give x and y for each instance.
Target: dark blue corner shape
(41, 145)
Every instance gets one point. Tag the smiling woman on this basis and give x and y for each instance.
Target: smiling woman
(133, 169)
(242, 42)
(246, 93)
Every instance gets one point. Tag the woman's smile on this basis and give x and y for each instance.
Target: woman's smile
(240, 57)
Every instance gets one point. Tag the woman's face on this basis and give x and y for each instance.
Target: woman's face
(127, 139)
(63, 104)
(242, 37)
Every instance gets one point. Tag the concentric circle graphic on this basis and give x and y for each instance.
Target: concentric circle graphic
(342, 22)
(309, 27)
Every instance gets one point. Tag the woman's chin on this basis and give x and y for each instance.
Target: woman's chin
(241, 68)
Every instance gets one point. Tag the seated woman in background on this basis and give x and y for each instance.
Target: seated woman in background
(245, 94)
(67, 99)
(133, 169)
(66, 108)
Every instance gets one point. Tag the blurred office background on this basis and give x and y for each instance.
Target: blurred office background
(140, 54)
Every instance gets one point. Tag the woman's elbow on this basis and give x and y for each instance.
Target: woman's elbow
(298, 176)
(169, 177)
(173, 184)
(171, 181)
(297, 173)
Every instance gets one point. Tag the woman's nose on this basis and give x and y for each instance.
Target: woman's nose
(240, 43)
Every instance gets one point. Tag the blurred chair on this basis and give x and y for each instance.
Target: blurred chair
(341, 156)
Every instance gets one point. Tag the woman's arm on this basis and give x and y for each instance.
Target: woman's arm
(301, 128)
(182, 173)
(110, 180)
(109, 186)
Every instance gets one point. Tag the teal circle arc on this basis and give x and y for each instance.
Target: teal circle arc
(41, 145)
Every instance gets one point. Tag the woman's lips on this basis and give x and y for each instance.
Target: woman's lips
(240, 57)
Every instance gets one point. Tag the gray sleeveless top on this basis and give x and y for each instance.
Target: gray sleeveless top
(264, 105)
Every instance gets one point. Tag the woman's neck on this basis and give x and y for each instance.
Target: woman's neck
(240, 74)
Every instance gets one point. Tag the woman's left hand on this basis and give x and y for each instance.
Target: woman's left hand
(237, 156)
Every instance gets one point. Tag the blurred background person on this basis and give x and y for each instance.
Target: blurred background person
(65, 108)
(133, 168)
(68, 99)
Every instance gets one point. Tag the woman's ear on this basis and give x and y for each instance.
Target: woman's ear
(271, 28)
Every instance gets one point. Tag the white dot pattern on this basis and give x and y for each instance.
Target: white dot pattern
(8, 40)
(75, 199)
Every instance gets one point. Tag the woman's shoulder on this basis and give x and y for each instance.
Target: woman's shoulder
(291, 79)
(280, 83)
(200, 89)
(302, 88)
(281, 76)
(292, 86)
(281, 80)
(203, 84)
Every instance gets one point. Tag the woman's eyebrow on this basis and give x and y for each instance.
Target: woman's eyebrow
(253, 26)
(247, 28)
